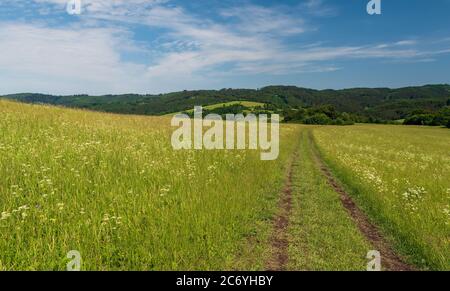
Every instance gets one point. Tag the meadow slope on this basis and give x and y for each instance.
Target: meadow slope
(112, 188)
(400, 177)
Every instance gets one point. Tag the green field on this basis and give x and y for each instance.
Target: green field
(247, 104)
(111, 187)
(400, 176)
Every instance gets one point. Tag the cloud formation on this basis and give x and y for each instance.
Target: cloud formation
(96, 51)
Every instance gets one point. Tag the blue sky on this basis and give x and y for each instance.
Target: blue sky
(155, 46)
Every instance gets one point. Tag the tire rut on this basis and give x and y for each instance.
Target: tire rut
(390, 260)
(279, 239)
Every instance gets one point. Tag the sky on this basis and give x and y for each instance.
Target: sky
(158, 46)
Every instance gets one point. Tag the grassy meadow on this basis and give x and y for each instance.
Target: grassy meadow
(400, 176)
(112, 187)
(248, 104)
(322, 234)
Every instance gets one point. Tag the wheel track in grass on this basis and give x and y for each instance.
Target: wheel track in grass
(390, 261)
(279, 238)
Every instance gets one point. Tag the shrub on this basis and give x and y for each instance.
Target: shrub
(420, 119)
(318, 118)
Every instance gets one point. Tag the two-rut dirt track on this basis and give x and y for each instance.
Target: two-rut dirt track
(280, 241)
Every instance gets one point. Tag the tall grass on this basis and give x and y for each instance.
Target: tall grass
(401, 177)
(322, 234)
(112, 188)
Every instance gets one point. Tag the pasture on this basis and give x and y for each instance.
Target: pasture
(112, 188)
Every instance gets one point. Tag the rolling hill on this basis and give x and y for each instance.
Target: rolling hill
(379, 103)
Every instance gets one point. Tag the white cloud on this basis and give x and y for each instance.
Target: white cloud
(405, 42)
(257, 19)
(318, 8)
(81, 60)
(192, 53)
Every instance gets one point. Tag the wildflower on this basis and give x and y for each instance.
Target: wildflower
(5, 215)
(23, 208)
(105, 219)
(413, 196)
(163, 191)
(446, 211)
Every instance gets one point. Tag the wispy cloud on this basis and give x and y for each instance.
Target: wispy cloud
(319, 8)
(76, 60)
(246, 40)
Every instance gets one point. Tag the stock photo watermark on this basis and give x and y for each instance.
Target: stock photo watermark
(230, 134)
(374, 7)
(73, 7)
(74, 264)
(374, 264)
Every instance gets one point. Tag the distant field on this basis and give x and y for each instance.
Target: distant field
(248, 104)
(243, 103)
(112, 187)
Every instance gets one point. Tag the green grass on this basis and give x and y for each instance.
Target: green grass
(322, 235)
(111, 187)
(248, 104)
(400, 177)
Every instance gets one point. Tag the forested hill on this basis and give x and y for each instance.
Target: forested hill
(381, 103)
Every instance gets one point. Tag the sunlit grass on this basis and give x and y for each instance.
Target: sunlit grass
(113, 188)
(248, 104)
(323, 236)
(401, 177)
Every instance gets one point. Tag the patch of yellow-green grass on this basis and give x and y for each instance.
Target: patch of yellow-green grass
(248, 104)
(399, 175)
(112, 187)
(321, 233)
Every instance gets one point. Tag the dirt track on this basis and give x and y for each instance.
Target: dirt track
(279, 240)
(389, 259)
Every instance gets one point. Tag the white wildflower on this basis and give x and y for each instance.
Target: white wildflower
(5, 215)
(163, 191)
(23, 208)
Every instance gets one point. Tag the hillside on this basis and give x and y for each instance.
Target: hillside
(378, 103)
(112, 188)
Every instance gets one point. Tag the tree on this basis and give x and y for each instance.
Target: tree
(318, 118)
(442, 117)
(420, 119)
(328, 110)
